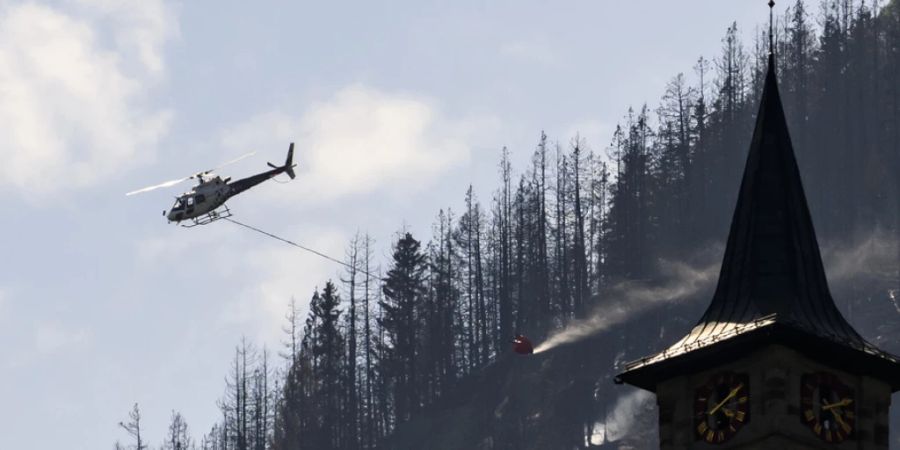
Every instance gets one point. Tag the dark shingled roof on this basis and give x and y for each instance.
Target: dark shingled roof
(772, 286)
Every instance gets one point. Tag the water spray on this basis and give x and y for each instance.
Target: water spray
(867, 256)
(627, 299)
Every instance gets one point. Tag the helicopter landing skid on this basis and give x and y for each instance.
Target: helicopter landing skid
(210, 217)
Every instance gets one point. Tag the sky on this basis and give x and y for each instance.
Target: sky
(395, 108)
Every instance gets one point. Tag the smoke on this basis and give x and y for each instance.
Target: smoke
(867, 258)
(870, 257)
(619, 422)
(627, 299)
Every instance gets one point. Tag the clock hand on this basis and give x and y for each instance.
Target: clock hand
(840, 420)
(843, 402)
(727, 397)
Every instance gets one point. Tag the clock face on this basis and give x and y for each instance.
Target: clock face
(827, 406)
(721, 407)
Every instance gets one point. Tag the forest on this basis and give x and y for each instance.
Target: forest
(394, 345)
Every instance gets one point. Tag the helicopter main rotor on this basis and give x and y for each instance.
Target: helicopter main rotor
(198, 175)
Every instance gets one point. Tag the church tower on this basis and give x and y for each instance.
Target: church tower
(772, 364)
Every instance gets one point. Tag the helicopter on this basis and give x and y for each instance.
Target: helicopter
(205, 202)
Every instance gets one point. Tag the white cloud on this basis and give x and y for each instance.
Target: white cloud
(72, 110)
(362, 140)
(535, 51)
(51, 337)
(175, 245)
(275, 273)
(139, 28)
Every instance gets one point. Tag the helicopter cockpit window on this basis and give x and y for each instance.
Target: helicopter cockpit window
(190, 201)
(179, 204)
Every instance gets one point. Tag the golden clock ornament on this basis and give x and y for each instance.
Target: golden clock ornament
(827, 406)
(721, 407)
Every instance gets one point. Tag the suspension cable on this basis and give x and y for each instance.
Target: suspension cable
(300, 246)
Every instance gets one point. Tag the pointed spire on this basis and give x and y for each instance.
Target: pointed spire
(771, 29)
(772, 281)
(772, 263)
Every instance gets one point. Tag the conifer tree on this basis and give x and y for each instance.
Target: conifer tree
(177, 436)
(404, 289)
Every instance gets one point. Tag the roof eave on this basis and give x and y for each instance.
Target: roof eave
(647, 376)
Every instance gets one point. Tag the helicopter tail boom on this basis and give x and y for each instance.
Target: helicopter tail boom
(288, 163)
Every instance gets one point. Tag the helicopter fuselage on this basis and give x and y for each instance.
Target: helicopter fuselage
(211, 193)
(202, 199)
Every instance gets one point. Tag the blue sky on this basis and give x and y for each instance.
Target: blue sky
(395, 108)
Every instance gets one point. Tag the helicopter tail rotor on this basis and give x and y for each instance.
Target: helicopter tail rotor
(288, 163)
